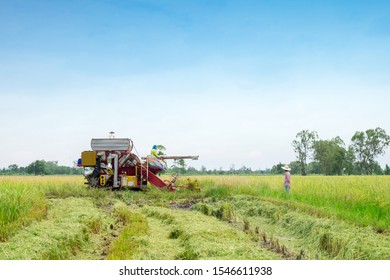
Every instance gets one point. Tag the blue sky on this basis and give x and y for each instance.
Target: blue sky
(230, 81)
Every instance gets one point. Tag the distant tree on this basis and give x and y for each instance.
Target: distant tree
(267, 171)
(179, 166)
(330, 155)
(245, 170)
(313, 168)
(160, 150)
(303, 146)
(42, 167)
(349, 161)
(367, 146)
(387, 170)
(378, 169)
(295, 167)
(13, 168)
(232, 169)
(51, 167)
(192, 170)
(36, 168)
(30, 168)
(277, 169)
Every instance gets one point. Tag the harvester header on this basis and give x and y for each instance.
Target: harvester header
(112, 164)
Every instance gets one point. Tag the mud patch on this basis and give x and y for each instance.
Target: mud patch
(183, 205)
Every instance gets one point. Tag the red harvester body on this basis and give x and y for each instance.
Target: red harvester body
(111, 164)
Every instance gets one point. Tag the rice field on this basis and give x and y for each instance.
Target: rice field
(232, 217)
(362, 200)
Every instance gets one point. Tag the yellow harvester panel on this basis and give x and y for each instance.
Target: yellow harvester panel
(131, 181)
(128, 181)
(88, 158)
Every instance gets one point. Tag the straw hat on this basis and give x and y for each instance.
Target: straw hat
(286, 168)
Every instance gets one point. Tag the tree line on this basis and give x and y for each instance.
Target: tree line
(40, 167)
(333, 157)
(328, 157)
(244, 170)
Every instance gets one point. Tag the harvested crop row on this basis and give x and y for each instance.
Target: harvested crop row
(302, 233)
(191, 235)
(72, 230)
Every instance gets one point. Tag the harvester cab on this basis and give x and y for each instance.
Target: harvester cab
(111, 164)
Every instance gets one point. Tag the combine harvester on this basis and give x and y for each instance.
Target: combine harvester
(112, 165)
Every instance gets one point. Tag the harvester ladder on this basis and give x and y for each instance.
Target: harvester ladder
(147, 172)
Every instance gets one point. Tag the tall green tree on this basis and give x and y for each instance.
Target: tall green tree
(160, 150)
(13, 168)
(313, 168)
(303, 147)
(51, 167)
(37, 167)
(330, 155)
(295, 167)
(367, 146)
(277, 168)
(387, 170)
(179, 166)
(349, 162)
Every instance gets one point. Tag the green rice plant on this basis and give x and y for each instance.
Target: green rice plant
(224, 212)
(20, 204)
(202, 207)
(175, 233)
(218, 192)
(24, 199)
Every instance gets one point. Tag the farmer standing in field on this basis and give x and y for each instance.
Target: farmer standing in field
(287, 178)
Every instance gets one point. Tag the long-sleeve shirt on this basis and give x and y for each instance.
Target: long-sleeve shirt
(154, 152)
(287, 178)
